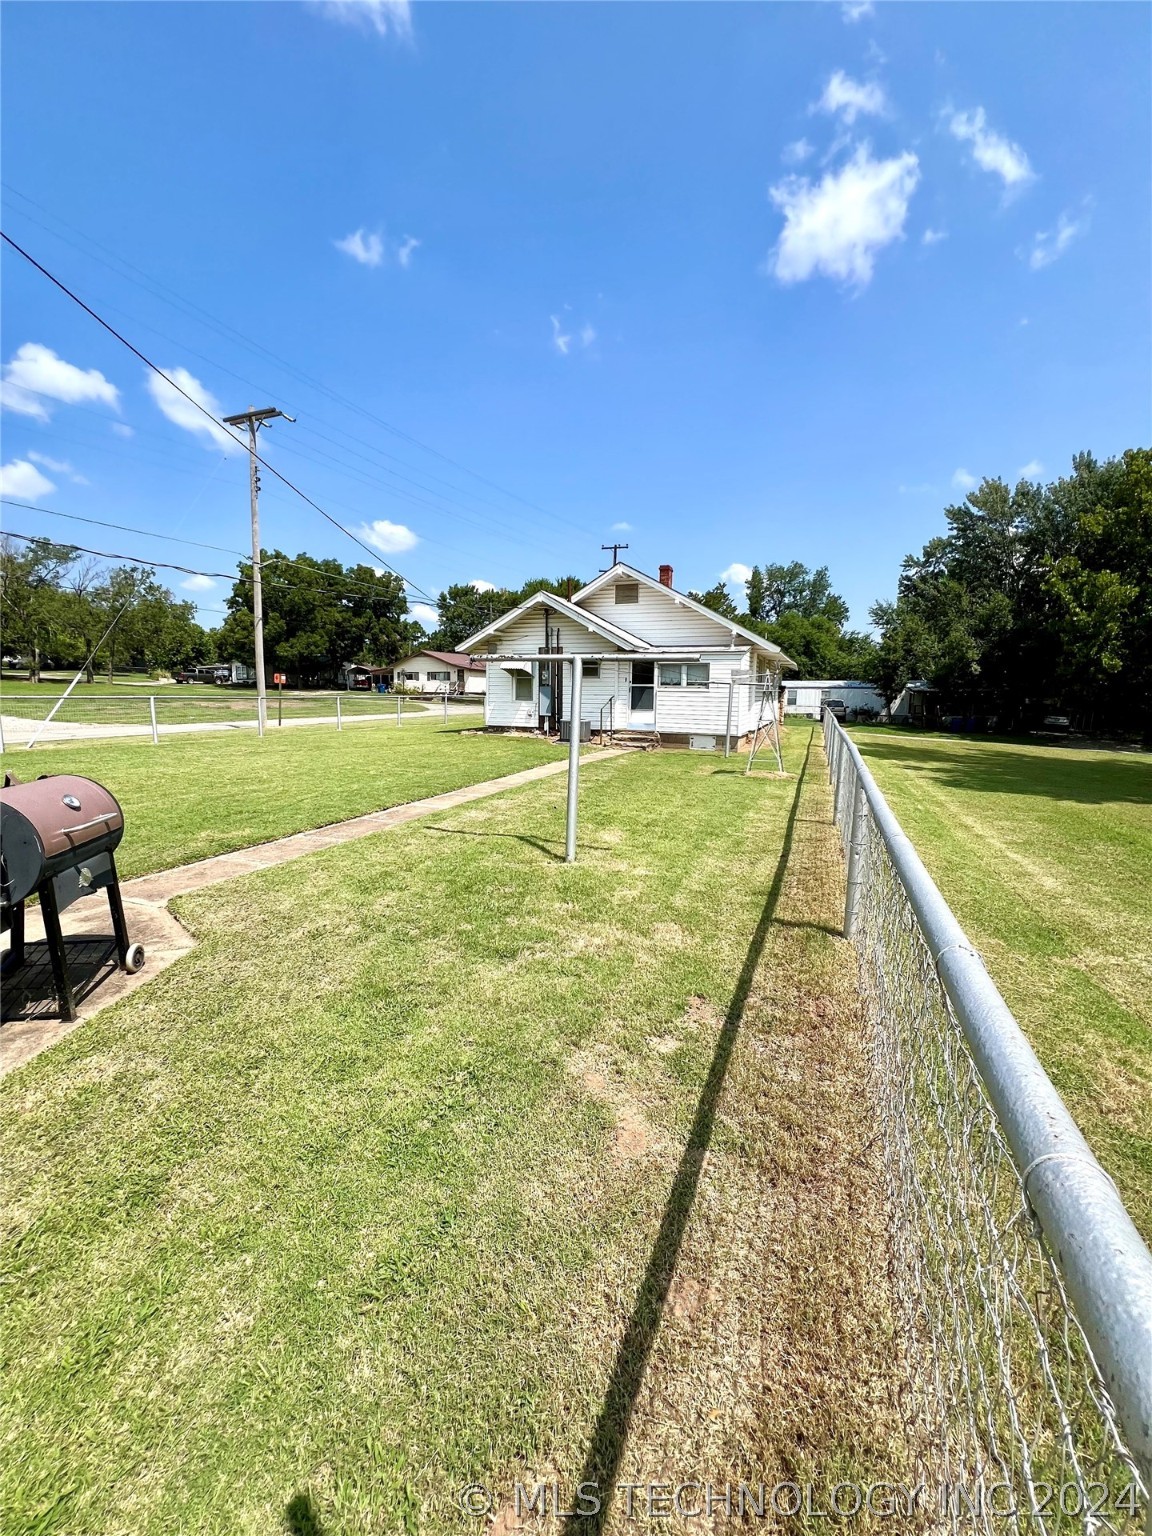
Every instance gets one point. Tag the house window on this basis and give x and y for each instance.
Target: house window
(591, 669)
(439, 677)
(693, 674)
(522, 687)
(627, 591)
(410, 677)
(791, 696)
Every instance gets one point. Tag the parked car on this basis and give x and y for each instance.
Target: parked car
(183, 677)
(838, 708)
(1056, 723)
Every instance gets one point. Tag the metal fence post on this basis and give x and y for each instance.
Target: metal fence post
(445, 706)
(152, 717)
(339, 714)
(855, 859)
(398, 721)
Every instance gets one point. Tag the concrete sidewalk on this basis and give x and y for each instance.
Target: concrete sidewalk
(164, 939)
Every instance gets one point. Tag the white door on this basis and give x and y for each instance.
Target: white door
(642, 696)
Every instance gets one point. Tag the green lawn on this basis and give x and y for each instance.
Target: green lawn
(196, 795)
(401, 1179)
(1045, 855)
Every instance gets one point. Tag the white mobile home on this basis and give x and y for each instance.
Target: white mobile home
(809, 697)
(656, 664)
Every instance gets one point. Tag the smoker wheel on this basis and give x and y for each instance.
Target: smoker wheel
(134, 959)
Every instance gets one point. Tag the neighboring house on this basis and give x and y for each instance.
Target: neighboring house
(808, 697)
(452, 672)
(915, 705)
(659, 664)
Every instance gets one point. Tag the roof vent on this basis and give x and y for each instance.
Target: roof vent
(665, 575)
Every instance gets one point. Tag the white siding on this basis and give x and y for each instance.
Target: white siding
(659, 618)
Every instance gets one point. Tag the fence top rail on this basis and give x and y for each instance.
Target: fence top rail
(1105, 1264)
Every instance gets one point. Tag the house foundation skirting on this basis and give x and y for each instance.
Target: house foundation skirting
(681, 740)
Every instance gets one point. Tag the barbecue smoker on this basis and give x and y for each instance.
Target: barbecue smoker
(58, 837)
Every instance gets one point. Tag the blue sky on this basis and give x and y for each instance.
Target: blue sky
(761, 282)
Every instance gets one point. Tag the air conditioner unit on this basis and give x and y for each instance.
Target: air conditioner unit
(566, 730)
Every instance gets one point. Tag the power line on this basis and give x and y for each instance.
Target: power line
(160, 290)
(169, 565)
(351, 584)
(136, 352)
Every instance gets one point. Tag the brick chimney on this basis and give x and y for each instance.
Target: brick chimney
(665, 575)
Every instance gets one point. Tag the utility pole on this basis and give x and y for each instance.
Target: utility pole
(254, 420)
(615, 548)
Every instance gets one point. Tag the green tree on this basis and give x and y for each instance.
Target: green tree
(319, 617)
(33, 619)
(719, 599)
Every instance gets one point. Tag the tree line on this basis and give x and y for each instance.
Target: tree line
(58, 605)
(1035, 599)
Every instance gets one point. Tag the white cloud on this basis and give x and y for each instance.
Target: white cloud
(483, 586)
(57, 466)
(1030, 471)
(122, 429)
(1050, 244)
(621, 528)
(796, 152)
(384, 17)
(990, 150)
(405, 249)
(366, 248)
(388, 538)
(563, 340)
(836, 226)
(736, 573)
(963, 481)
(36, 374)
(198, 584)
(182, 412)
(560, 341)
(849, 99)
(856, 10)
(424, 613)
(23, 481)
(933, 236)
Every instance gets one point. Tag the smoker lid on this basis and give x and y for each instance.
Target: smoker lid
(65, 811)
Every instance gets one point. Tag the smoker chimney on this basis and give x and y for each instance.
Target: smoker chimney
(665, 575)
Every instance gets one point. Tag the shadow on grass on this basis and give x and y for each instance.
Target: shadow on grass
(982, 767)
(300, 1517)
(602, 1463)
(522, 837)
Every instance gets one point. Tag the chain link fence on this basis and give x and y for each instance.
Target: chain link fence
(27, 717)
(1023, 1288)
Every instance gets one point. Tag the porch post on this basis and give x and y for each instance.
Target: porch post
(574, 759)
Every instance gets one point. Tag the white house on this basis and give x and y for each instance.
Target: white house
(808, 697)
(453, 672)
(655, 663)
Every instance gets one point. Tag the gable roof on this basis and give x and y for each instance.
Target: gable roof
(730, 626)
(602, 627)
